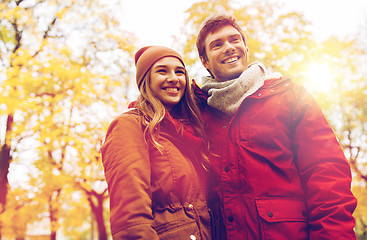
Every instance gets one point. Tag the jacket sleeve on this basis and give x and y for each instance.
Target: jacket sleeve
(325, 173)
(126, 162)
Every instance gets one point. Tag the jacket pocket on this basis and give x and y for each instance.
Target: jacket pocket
(176, 224)
(282, 218)
(178, 230)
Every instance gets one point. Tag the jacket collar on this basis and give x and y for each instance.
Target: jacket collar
(273, 86)
(198, 91)
(277, 84)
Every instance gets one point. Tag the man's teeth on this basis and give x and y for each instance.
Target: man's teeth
(231, 60)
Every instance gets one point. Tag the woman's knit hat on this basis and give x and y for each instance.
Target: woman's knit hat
(146, 57)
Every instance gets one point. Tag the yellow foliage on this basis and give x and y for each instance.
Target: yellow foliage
(59, 96)
(20, 211)
(360, 214)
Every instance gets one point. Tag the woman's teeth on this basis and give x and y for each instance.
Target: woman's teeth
(171, 89)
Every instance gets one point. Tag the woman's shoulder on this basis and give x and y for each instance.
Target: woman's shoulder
(130, 113)
(129, 116)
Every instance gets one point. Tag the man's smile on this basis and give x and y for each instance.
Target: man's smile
(230, 60)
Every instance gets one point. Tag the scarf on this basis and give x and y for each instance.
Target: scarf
(227, 96)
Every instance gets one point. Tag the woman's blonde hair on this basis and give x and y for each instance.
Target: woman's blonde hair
(153, 111)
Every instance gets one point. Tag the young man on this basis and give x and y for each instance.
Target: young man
(281, 171)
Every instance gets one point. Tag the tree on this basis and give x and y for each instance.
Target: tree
(14, 22)
(361, 211)
(90, 179)
(345, 102)
(347, 111)
(20, 212)
(61, 69)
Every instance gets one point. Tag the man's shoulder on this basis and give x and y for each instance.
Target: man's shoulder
(275, 85)
(271, 82)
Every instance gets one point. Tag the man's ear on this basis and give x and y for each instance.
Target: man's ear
(204, 62)
(247, 51)
(206, 65)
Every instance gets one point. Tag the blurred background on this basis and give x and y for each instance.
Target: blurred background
(67, 69)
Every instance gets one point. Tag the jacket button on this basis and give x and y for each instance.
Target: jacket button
(190, 206)
(272, 90)
(304, 213)
(224, 126)
(192, 237)
(226, 169)
(230, 219)
(270, 214)
(259, 94)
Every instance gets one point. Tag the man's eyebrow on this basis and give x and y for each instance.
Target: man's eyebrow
(235, 35)
(220, 39)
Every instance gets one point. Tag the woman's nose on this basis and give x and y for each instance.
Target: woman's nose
(172, 77)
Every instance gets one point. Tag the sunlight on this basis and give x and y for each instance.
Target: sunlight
(320, 77)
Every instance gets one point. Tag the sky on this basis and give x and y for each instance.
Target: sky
(156, 21)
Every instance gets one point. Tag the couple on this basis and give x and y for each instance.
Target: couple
(252, 157)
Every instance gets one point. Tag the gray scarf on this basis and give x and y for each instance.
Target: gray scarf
(227, 96)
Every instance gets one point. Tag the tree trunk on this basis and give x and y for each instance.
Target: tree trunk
(53, 219)
(5, 159)
(97, 210)
(99, 217)
(54, 213)
(4, 169)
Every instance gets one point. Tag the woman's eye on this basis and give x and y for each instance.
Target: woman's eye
(180, 72)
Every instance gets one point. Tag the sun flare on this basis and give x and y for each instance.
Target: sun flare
(320, 77)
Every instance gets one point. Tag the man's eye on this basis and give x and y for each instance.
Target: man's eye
(216, 45)
(180, 72)
(236, 40)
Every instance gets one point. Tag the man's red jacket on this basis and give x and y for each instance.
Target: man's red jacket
(282, 173)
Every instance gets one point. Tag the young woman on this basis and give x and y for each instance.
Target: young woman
(154, 156)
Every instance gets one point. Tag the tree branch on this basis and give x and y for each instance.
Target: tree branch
(46, 34)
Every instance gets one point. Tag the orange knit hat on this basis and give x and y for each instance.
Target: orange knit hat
(146, 57)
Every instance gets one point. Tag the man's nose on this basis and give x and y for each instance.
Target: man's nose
(228, 47)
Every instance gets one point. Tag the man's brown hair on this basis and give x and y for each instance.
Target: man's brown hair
(211, 25)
